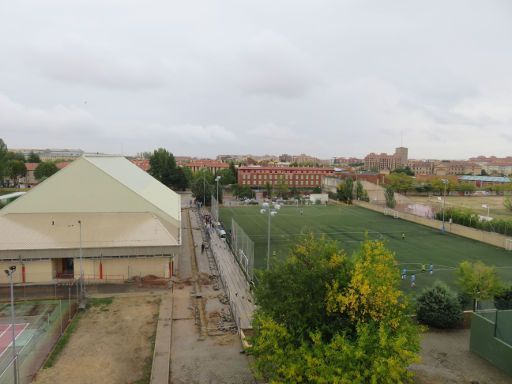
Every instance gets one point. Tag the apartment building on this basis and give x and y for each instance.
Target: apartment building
(294, 177)
(383, 161)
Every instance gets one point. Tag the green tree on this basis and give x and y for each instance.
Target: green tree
(325, 317)
(440, 187)
(503, 299)
(349, 190)
(33, 158)
(359, 190)
(507, 203)
(405, 170)
(478, 281)
(389, 195)
(227, 177)
(242, 191)
(268, 189)
(45, 169)
(15, 156)
(282, 188)
(439, 307)
(202, 186)
(340, 192)
(180, 180)
(163, 167)
(400, 182)
(3, 160)
(15, 170)
(465, 187)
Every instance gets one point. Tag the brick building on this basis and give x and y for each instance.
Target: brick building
(211, 165)
(420, 167)
(294, 177)
(383, 161)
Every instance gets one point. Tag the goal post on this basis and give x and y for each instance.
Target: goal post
(508, 244)
(391, 212)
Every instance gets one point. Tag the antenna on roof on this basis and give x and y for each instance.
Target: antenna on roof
(401, 138)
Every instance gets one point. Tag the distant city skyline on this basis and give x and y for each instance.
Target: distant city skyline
(331, 78)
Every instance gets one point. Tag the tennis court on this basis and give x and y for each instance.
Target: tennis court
(38, 325)
(350, 225)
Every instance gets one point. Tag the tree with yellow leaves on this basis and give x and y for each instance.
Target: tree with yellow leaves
(325, 317)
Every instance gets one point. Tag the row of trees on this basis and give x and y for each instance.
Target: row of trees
(202, 184)
(470, 218)
(346, 190)
(324, 316)
(12, 166)
(404, 183)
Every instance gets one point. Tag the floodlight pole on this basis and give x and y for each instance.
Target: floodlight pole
(217, 180)
(204, 189)
(81, 266)
(268, 210)
(10, 272)
(268, 240)
(445, 182)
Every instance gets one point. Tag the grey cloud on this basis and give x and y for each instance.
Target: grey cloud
(58, 120)
(270, 65)
(327, 78)
(75, 62)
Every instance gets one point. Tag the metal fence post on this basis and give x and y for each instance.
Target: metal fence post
(60, 315)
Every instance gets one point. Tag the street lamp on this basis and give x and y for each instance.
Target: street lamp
(488, 210)
(81, 304)
(9, 272)
(268, 210)
(445, 182)
(204, 189)
(217, 181)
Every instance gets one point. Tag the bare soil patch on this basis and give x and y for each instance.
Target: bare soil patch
(111, 344)
(495, 203)
(446, 359)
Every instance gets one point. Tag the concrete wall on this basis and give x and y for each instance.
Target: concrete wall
(36, 271)
(483, 343)
(456, 229)
(123, 268)
(115, 269)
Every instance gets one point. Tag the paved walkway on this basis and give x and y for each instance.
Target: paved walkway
(237, 288)
(162, 353)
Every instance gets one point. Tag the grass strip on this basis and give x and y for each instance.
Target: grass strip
(148, 361)
(62, 342)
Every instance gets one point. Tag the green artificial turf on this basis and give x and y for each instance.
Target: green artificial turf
(348, 225)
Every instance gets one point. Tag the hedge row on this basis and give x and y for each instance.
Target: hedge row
(469, 218)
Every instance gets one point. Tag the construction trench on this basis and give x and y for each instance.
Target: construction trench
(197, 337)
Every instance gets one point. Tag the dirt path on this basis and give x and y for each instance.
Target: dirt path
(202, 353)
(110, 345)
(446, 359)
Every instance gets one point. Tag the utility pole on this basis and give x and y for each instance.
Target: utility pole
(9, 272)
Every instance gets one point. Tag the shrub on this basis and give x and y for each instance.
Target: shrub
(503, 299)
(439, 307)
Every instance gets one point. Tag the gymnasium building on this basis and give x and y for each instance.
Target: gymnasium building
(100, 212)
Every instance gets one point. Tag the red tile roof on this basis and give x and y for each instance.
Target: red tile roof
(142, 164)
(33, 166)
(207, 163)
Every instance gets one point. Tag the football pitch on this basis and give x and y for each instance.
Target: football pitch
(349, 224)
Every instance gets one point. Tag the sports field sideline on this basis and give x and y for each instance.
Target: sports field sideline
(348, 225)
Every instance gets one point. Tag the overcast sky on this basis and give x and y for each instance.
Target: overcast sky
(327, 78)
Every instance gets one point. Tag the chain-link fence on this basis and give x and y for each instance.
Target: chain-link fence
(243, 249)
(215, 209)
(38, 325)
